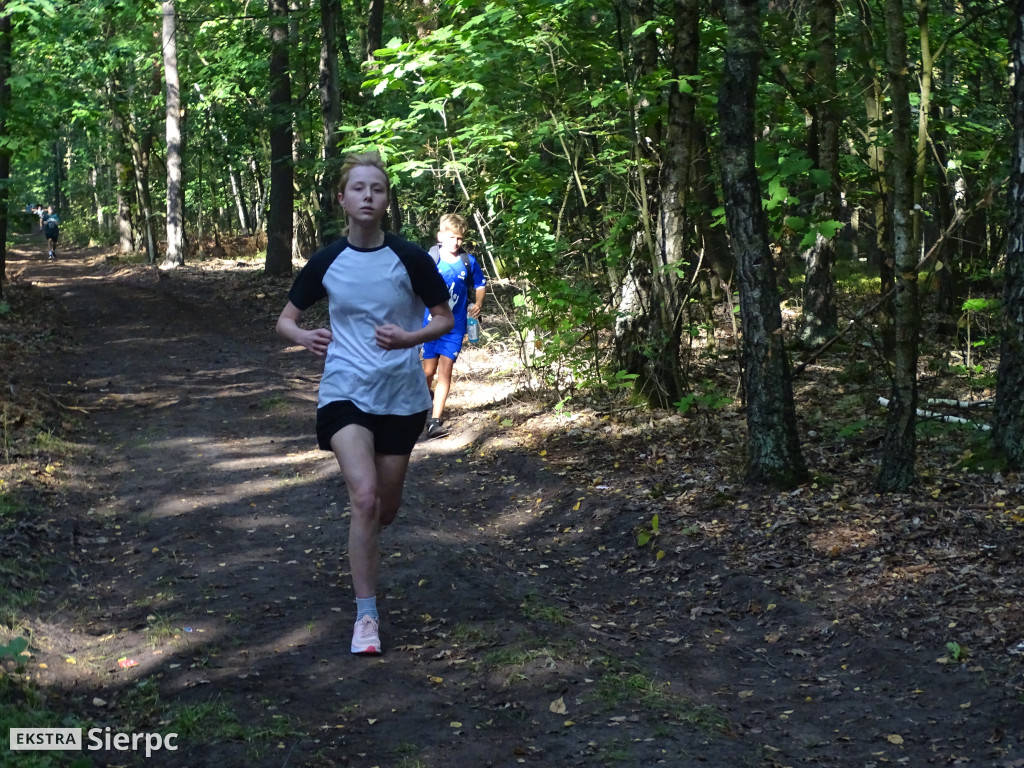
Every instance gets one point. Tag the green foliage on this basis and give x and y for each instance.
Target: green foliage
(534, 608)
(853, 428)
(956, 652)
(981, 456)
(707, 395)
(14, 650)
(647, 535)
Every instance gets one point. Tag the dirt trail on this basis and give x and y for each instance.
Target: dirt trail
(520, 625)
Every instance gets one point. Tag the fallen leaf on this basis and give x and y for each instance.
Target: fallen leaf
(558, 706)
(894, 738)
(745, 694)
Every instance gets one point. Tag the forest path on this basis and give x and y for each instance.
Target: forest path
(207, 590)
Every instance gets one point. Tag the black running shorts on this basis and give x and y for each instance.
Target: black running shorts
(392, 435)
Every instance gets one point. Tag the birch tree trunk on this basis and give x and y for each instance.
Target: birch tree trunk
(896, 472)
(773, 448)
(1008, 432)
(175, 255)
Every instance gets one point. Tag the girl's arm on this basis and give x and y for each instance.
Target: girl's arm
(393, 337)
(315, 341)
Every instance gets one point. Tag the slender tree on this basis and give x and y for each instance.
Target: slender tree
(282, 194)
(1008, 433)
(773, 448)
(374, 27)
(5, 152)
(175, 255)
(820, 320)
(330, 109)
(896, 472)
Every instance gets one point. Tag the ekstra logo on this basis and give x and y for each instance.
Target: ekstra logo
(38, 739)
(45, 739)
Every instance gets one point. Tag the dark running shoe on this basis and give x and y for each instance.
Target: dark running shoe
(434, 429)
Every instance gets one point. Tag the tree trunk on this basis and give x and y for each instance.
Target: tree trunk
(666, 380)
(1008, 433)
(878, 251)
(896, 472)
(820, 321)
(649, 328)
(374, 27)
(125, 237)
(773, 448)
(329, 224)
(5, 151)
(282, 193)
(139, 150)
(175, 255)
(924, 78)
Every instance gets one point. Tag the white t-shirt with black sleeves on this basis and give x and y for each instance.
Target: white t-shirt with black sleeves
(365, 288)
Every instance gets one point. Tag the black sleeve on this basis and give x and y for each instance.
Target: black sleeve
(308, 287)
(427, 282)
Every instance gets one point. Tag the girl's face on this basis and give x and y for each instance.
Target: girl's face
(365, 198)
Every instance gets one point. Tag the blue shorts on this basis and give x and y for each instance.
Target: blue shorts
(392, 435)
(448, 345)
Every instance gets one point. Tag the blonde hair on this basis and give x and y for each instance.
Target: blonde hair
(454, 223)
(371, 159)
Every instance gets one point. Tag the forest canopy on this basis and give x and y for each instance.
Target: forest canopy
(637, 175)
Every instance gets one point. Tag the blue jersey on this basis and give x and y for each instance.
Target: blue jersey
(459, 281)
(51, 224)
(367, 287)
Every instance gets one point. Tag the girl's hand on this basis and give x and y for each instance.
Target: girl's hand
(391, 336)
(316, 340)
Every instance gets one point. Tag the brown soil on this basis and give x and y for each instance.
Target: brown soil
(192, 544)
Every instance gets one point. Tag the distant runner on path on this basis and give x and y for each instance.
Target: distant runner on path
(51, 230)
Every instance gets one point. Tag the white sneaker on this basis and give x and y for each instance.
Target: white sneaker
(366, 637)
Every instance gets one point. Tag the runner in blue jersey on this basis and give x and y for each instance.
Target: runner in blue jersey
(51, 230)
(461, 273)
(373, 401)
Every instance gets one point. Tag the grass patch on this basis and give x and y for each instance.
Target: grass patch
(207, 722)
(617, 690)
(465, 634)
(46, 441)
(160, 629)
(535, 609)
(22, 706)
(9, 508)
(273, 402)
